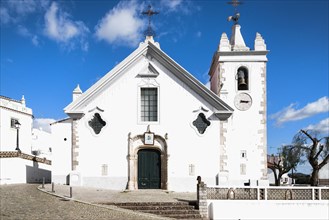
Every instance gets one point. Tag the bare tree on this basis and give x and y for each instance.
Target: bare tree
(316, 151)
(288, 158)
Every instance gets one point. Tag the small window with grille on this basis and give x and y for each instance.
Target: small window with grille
(201, 123)
(243, 169)
(104, 169)
(97, 123)
(149, 104)
(191, 169)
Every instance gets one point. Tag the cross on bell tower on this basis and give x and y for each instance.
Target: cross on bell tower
(149, 31)
(236, 16)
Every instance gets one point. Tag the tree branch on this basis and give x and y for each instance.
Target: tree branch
(319, 152)
(324, 162)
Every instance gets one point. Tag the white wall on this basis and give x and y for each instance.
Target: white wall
(61, 150)
(239, 209)
(41, 142)
(245, 129)
(15, 109)
(121, 113)
(18, 170)
(324, 172)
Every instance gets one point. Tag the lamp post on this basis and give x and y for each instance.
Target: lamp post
(17, 126)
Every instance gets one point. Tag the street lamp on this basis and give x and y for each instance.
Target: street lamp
(17, 126)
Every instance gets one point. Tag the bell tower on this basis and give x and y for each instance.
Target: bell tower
(238, 77)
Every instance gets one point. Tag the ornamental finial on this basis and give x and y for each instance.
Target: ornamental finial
(149, 13)
(236, 16)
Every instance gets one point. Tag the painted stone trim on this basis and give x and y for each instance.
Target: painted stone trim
(135, 144)
(202, 199)
(263, 132)
(13, 154)
(223, 154)
(75, 144)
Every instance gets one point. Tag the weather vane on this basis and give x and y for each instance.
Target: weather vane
(236, 16)
(150, 13)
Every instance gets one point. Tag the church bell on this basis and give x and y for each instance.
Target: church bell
(242, 85)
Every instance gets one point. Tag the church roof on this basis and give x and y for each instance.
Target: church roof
(222, 110)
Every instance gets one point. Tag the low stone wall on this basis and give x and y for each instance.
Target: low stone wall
(268, 193)
(268, 209)
(210, 197)
(17, 167)
(13, 154)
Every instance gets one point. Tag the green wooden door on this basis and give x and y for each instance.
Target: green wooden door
(149, 169)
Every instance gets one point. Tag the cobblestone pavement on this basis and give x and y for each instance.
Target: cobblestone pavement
(25, 201)
(96, 195)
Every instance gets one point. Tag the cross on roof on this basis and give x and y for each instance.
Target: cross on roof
(149, 13)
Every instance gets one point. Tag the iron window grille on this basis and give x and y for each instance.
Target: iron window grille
(149, 104)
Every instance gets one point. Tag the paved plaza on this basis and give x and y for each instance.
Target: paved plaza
(26, 201)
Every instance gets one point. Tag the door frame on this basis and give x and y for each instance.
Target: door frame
(135, 144)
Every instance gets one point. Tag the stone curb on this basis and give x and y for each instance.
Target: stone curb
(109, 207)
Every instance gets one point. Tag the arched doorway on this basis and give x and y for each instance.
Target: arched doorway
(149, 169)
(159, 150)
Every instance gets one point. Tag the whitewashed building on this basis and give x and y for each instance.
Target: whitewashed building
(238, 76)
(324, 175)
(17, 164)
(148, 123)
(11, 112)
(41, 143)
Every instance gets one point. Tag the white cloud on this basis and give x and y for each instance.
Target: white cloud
(122, 25)
(43, 124)
(23, 31)
(199, 34)
(24, 6)
(171, 4)
(60, 27)
(185, 7)
(16, 11)
(35, 40)
(322, 127)
(290, 113)
(4, 16)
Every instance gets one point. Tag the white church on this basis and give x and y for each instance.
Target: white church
(149, 124)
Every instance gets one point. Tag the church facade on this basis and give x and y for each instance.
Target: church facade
(149, 124)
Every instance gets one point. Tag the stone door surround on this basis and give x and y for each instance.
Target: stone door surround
(135, 144)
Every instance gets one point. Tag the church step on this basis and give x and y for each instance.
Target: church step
(177, 210)
(179, 207)
(170, 212)
(186, 216)
(149, 204)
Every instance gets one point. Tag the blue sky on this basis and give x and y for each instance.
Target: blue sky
(48, 47)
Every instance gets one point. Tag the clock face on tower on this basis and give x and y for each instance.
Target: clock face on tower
(242, 101)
